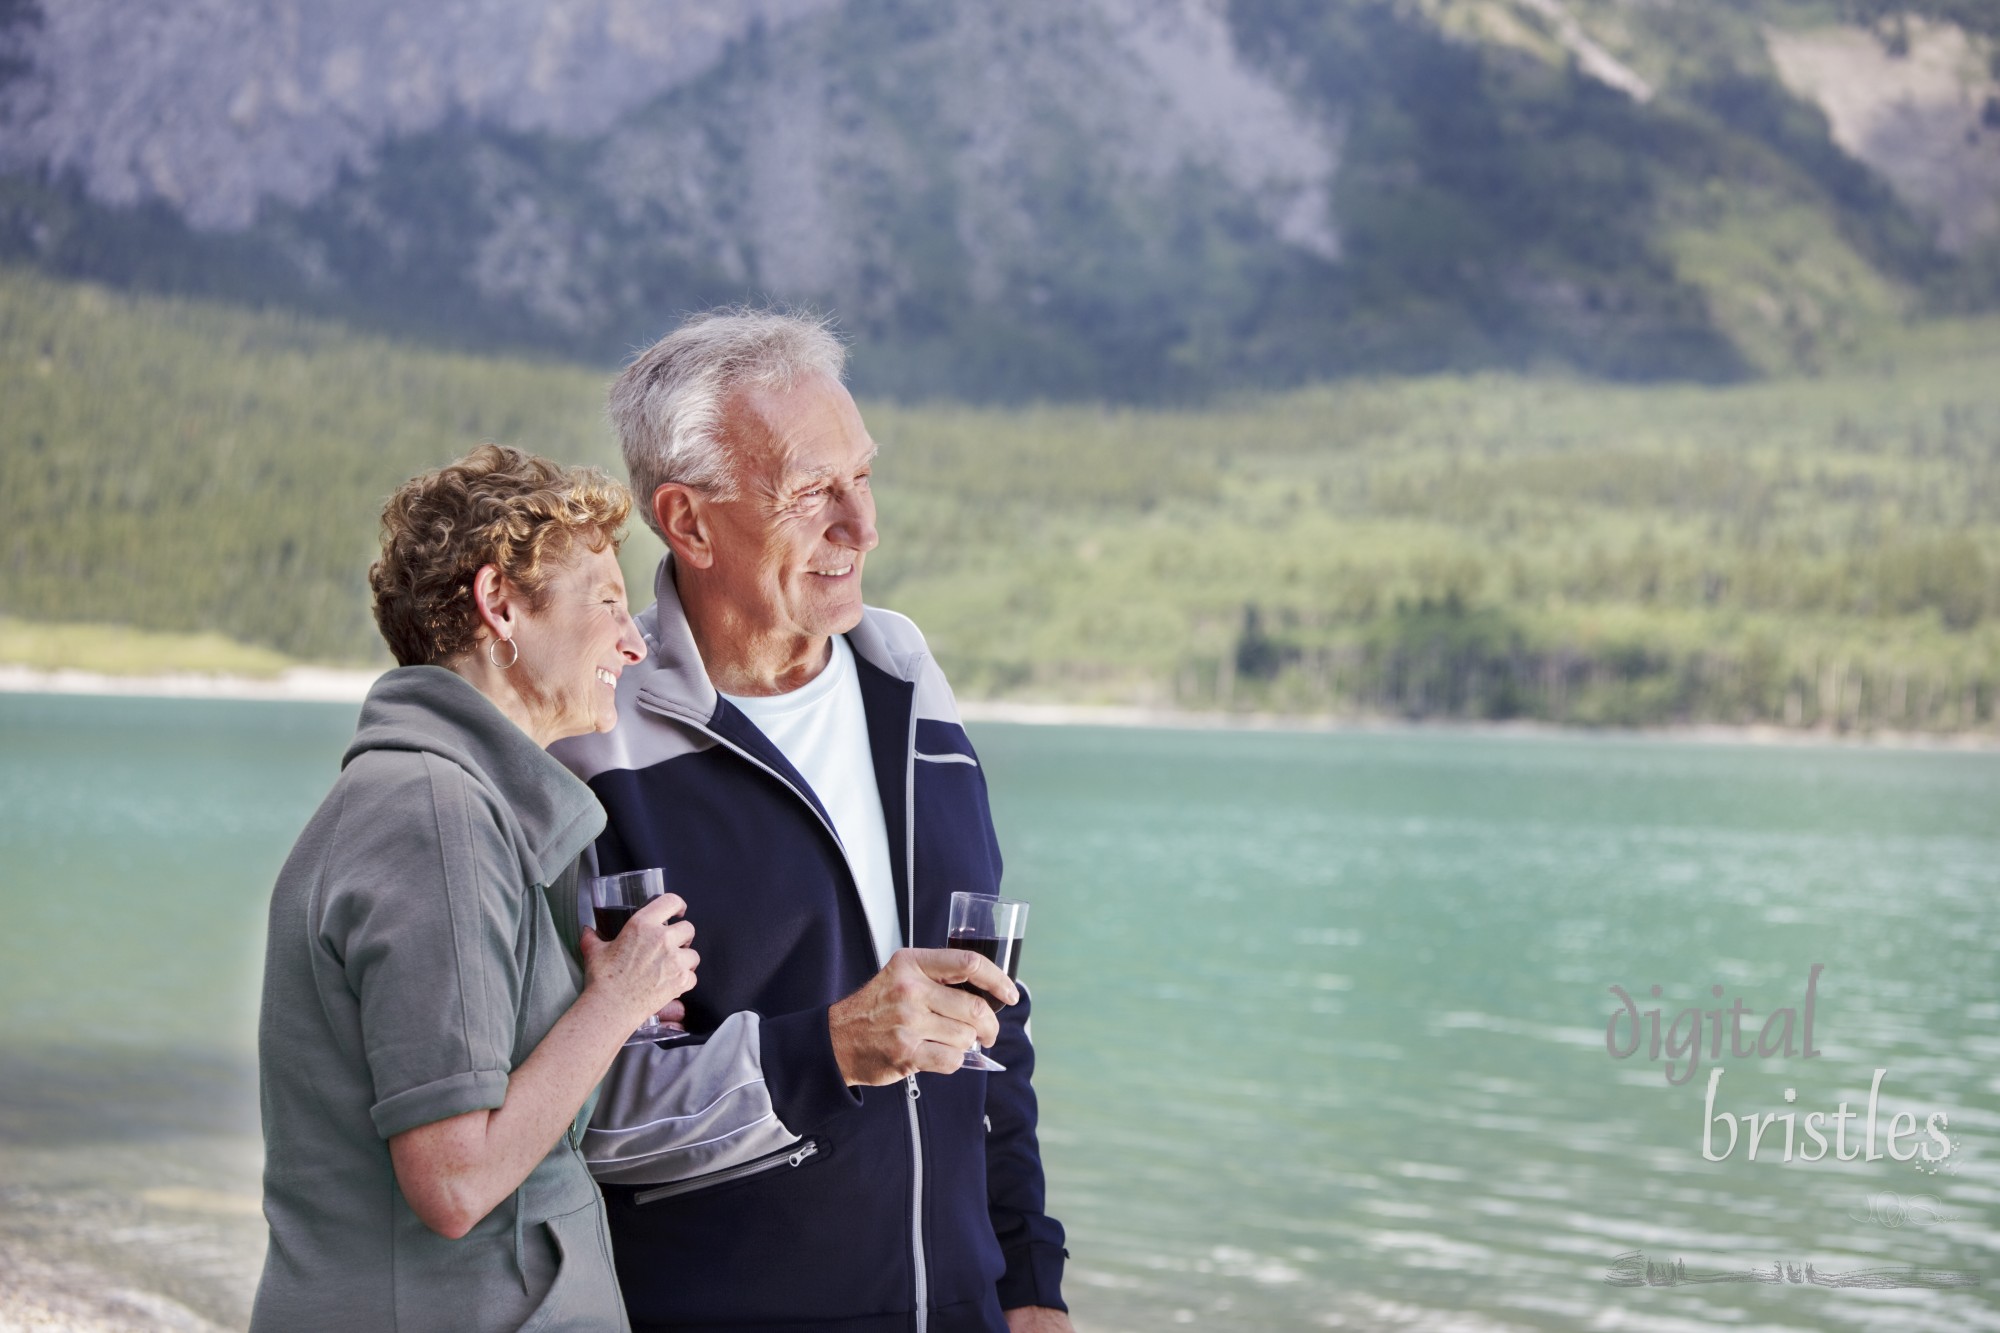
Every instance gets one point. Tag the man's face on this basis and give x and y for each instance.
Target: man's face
(789, 548)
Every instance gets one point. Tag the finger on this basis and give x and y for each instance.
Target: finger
(938, 1058)
(956, 1026)
(679, 977)
(590, 943)
(976, 1014)
(951, 966)
(678, 934)
(959, 1006)
(661, 909)
(985, 981)
(974, 1011)
(673, 1011)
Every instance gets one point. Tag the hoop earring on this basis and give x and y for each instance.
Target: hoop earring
(494, 657)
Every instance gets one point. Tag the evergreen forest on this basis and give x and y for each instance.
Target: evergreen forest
(1804, 550)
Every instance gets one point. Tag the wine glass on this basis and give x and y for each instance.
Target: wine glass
(614, 900)
(991, 927)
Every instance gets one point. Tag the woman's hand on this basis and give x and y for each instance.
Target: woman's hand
(453, 1172)
(649, 965)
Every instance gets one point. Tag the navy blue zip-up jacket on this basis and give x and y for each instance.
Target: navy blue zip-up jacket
(748, 1187)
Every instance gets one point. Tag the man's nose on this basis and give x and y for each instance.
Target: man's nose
(854, 528)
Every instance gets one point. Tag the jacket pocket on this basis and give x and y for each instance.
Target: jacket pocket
(584, 1294)
(789, 1157)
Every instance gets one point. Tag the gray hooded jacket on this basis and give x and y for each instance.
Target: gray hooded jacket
(411, 964)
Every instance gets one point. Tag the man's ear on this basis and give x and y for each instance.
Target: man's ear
(681, 513)
(497, 600)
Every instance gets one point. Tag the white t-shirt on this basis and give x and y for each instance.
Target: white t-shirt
(821, 728)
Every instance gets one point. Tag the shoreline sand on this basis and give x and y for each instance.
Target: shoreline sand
(340, 685)
(38, 1295)
(297, 685)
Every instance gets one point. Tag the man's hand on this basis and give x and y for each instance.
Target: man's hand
(908, 1018)
(1037, 1319)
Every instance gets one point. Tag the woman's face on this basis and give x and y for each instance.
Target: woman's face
(574, 648)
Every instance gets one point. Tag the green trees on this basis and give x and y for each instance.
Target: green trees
(1806, 552)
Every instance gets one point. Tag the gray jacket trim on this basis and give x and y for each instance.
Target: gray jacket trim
(673, 1113)
(672, 681)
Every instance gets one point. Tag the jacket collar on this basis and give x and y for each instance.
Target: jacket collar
(546, 811)
(677, 682)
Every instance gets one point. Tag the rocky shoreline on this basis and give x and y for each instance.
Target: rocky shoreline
(38, 1296)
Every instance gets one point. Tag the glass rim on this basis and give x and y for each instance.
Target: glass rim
(648, 878)
(970, 896)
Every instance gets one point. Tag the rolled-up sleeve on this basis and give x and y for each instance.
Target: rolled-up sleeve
(426, 941)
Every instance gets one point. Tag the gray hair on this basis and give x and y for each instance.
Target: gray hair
(668, 404)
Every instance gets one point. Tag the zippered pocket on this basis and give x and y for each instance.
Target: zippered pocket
(791, 1156)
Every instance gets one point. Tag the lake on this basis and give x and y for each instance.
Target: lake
(1322, 1020)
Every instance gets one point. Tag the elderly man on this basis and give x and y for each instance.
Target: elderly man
(813, 1157)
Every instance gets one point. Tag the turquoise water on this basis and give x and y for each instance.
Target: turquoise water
(1321, 1017)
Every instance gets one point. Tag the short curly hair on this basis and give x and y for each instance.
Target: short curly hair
(496, 506)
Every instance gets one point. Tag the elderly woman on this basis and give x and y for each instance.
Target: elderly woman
(428, 1047)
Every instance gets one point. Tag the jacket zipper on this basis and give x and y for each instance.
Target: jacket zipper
(917, 1208)
(910, 890)
(916, 1127)
(794, 1155)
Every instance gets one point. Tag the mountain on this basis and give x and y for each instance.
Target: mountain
(1129, 199)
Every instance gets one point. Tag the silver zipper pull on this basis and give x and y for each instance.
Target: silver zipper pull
(915, 1091)
(803, 1153)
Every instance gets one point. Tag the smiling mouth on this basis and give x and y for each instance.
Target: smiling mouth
(607, 677)
(841, 572)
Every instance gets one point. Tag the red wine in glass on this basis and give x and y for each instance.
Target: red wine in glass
(1004, 954)
(611, 920)
(615, 900)
(991, 927)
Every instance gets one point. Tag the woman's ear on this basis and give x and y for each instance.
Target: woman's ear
(497, 600)
(681, 513)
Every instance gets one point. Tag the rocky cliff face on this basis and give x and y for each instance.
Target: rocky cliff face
(1133, 197)
(1924, 113)
(573, 163)
(218, 106)
(805, 170)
